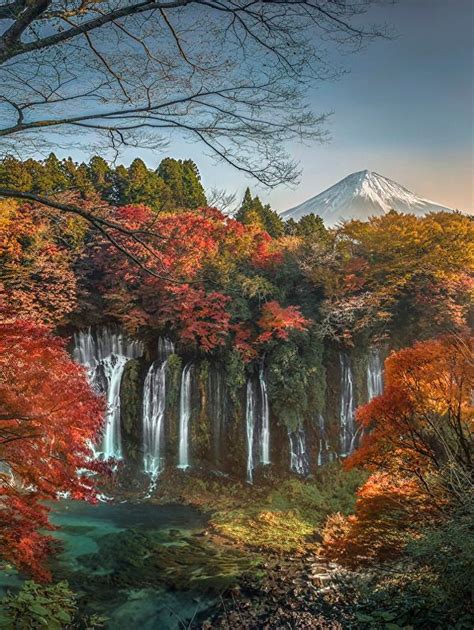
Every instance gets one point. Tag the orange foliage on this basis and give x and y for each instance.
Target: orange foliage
(396, 274)
(37, 275)
(184, 250)
(388, 511)
(418, 445)
(423, 420)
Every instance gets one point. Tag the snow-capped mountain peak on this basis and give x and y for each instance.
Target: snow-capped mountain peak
(362, 195)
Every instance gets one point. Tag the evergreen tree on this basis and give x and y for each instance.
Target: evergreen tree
(184, 183)
(310, 227)
(15, 174)
(138, 184)
(195, 196)
(81, 181)
(55, 177)
(171, 173)
(174, 185)
(253, 212)
(101, 176)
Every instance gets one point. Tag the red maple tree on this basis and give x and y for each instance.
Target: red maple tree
(277, 321)
(48, 417)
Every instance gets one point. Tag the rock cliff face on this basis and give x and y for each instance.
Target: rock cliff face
(173, 411)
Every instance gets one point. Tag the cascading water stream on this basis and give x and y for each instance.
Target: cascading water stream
(348, 434)
(265, 417)
(184, 417)
(374, 374)
(250, 425)
(325, 455)
(154, 405)
(299, 460)
(105, 353)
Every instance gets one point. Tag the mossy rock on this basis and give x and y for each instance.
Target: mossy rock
(131, 402)
(141, 559)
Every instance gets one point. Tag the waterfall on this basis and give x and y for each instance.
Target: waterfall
(325, 455)
(154, 404)
(347, 428)
(184, 416)
(104, 353)
(250, 423)
(374, 374)
(265, 418)
(91, 347)
(299, 458)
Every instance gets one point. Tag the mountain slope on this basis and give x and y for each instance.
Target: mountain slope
(360, 196)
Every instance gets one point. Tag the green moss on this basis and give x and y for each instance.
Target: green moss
(173, 379)
(140, 559)
(235, 376)
(360, 360)
(282, 516)
(296, 380)
(201, 427)
(39, 606)
(131, 391)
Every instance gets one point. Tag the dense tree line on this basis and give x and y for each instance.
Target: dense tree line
(174, 185)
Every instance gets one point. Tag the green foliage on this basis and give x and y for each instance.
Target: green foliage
(148, 559)
(235, 377)
(15, 174)
(360, 359)
(277, 515)
(184, 183)
(252, 211)
(173, 379)
(404, 596)
(296, 379)
(314, 499)
(288, 384)
(176, 184)
(38, 606)
(447, 554)
(257, 287)
(204, 372)
(310, 228)
(140, 185)
(131, 393)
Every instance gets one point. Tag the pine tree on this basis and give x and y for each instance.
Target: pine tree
(140, 185)
(310, 228)
(101, 176)
(14, 174)
(195, 196)
(253, 212)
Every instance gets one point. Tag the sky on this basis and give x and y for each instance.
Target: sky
(405, 110)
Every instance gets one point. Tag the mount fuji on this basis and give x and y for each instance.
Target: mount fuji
(362, 195)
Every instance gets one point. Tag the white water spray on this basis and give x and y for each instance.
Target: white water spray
(347, 409)
(105, 353)
(299, 458)
(374, 374)
(265, 416)
(250, 425)
(154, 406)
(184, 417)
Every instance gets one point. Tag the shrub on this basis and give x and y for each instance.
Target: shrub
(38, 606)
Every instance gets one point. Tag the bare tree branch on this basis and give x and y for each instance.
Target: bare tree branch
(228, 74)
